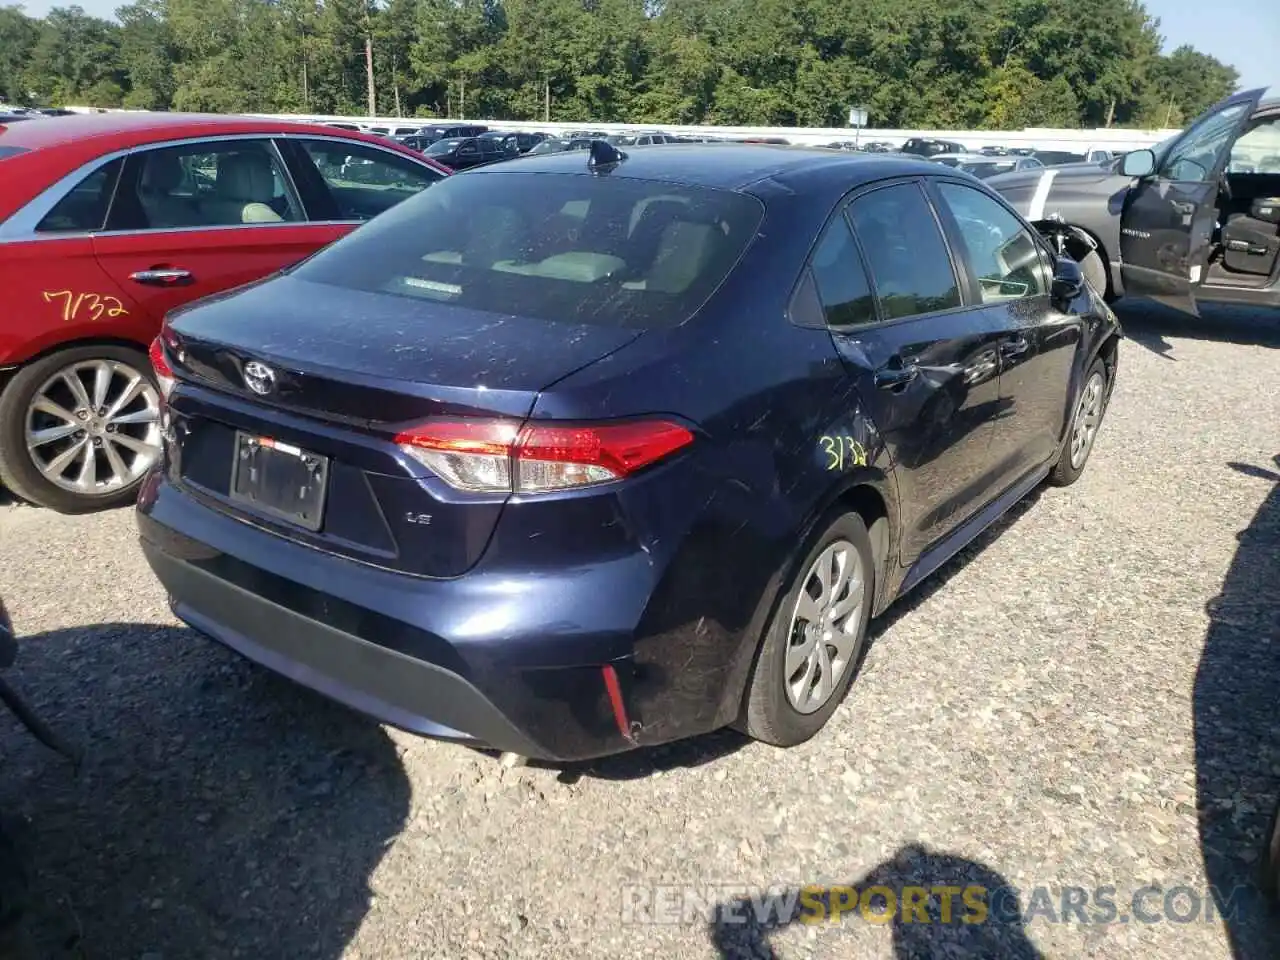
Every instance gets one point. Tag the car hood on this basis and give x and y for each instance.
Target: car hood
(1034, 192)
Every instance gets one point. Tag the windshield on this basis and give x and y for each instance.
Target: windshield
(982, 170)
(441, 146)
(562, 247)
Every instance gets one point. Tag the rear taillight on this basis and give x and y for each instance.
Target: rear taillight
(164, 372)
(497, 456)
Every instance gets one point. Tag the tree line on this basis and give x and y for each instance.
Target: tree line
(956, 64)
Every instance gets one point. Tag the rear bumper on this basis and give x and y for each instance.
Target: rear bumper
(495, 659)
(395, 688)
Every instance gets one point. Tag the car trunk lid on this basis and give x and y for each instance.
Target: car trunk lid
(338, 373)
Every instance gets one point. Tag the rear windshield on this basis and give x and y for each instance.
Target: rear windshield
(582, 249)
(11, 151)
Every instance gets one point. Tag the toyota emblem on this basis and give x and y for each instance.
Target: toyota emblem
(259, 378)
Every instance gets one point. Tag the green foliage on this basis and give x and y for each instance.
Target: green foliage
(1001, 64)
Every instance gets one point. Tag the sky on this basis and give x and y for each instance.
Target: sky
(1243, 33)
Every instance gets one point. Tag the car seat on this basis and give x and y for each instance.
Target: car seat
(244, 190)
(162, 174)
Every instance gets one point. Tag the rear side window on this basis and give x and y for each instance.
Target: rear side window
(905, 251)
(205, 184)
(840, 278)
(567, 247)
(85, 208)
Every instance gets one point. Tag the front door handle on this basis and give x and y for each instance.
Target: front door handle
(892, 376)
(1184, 209)
(163, 277)
(1016, 347)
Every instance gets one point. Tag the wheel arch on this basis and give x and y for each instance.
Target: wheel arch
(869, 493)
(9, 371)
(1081, 246)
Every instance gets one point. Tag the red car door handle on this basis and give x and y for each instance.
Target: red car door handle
(163, 277)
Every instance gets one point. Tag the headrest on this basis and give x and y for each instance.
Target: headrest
(245, 177)
(162, 172)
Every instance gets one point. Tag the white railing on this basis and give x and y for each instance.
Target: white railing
(1042, 138)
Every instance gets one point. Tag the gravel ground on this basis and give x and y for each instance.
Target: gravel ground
(1087, 697)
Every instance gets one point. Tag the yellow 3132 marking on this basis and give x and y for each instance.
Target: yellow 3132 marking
(843, 452)
(92, 306)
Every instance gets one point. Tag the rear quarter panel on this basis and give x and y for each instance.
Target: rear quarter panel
(56, 293)
(723, 536)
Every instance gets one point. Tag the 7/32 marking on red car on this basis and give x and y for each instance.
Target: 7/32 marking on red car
(92, 306)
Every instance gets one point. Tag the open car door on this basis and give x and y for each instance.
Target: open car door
(1170, 214)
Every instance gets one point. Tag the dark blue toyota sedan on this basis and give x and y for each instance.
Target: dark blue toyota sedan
(594, 451)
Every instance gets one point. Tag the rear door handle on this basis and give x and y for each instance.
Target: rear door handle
(895, 375)
(1014, 348)
(163, 277)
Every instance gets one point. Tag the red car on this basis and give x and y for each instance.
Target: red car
(107, 222)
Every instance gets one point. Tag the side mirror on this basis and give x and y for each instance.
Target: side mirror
(1139, 163)
(1068, 281)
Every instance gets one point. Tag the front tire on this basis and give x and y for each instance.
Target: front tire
(1086, 419)
(1095, 271)
(80, 428)
(814, 643)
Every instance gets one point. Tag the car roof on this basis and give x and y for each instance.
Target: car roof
(732, 166)
(144, 127)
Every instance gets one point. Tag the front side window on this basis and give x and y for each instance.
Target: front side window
(211, 184)
(905, 252)
(1194, 157)
(364, 181)
(561, 247)
(1002, 252)
(84, 209)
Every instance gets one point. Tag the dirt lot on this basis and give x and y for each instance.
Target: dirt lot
(1086, 698)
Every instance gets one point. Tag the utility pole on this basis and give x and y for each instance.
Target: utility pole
(368, 69)
(546, 109)
(462, 97)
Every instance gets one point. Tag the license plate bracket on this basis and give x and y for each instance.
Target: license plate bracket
(280, 480)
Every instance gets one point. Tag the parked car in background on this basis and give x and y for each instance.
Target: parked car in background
(879, 146)
(560, 145)
(393, 131)
(1057, 158)
(1175, 223)
(544, 496)
(110, 220)
(466, 152)
(512, 142)
(925, 147)
(980, 166)
(991, 151)
(449, 131)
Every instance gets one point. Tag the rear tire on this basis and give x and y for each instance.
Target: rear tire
(126, 440)
(825, 610)
(1087, 412)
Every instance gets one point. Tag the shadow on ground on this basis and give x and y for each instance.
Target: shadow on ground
(1150, 325)
(1237, 725)
(739, 933)
(219, 811)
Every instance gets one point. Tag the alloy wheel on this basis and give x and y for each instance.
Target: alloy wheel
(93, 428)
(824, 626)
